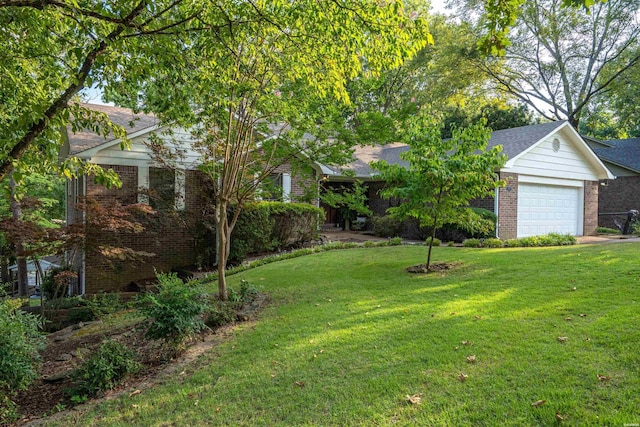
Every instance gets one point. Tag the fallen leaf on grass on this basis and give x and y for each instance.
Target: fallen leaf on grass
(574, 289)
(538, 403)
(462, 377)
(559, 416)
(134, 406)
(133, 393)
(415, 399)
(466, 342)
(604, 377)
(568, 318)
(478, 317)
(453, 313)
(299, 383)
(583, 315)
(471, 359)
(563, 339)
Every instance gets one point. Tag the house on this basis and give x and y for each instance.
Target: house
(621, 195)
(176, 235)
(551, 180)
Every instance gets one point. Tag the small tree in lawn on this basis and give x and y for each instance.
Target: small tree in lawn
(443, 175)
(350, 201)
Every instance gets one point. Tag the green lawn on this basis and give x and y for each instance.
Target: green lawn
(358, 334)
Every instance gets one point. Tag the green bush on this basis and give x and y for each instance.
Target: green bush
(219, 313)
(252, 233)
(451, 244)
(436, 241)
(101, 305)
(173, 313)
(471, 243)
(492, 243)
(386, 226)
(294, 223)
(267, 226)
(395, 241)
(20, 341)
(104, 369)
(551, 239)
(605, 230)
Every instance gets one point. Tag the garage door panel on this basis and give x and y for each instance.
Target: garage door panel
(544, 209)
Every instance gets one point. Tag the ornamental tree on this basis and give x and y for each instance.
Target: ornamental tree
(443, 175)
(265, 88)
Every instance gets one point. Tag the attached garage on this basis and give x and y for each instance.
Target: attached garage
(544, 209)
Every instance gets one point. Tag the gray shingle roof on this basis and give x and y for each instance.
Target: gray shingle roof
(514, 141)
(625, 153)
(86, 139)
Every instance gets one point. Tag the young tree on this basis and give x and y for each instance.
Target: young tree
(443, 175)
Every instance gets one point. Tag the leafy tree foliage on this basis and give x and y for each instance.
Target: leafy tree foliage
(443, 175)
(270, 68)
(350, 200)
(561, 59)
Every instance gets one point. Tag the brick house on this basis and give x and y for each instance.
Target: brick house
(174, 236)
(551, 174)
(622, 157)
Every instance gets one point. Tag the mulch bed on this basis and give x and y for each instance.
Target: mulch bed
(65, 349)
(435, 267)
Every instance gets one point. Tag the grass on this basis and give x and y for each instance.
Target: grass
(350, 334)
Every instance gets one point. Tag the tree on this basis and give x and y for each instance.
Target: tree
(50, 50)
(265, 89)
(558, 56)
(443, 175)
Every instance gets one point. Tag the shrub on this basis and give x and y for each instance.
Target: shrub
(395, 241)
(20, 341)
(605, 230)
(266, 226)
(512, 243)
(369, 244)
(386, 226)
(492, 243)
(471, 243)
(104, 369)
(252, 233)
(219, 313)
(451, 244)
(294, 223)
(103, 304)
(55, 282)
(173, 313)
(436, 241)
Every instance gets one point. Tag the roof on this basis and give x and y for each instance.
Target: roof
(623, 152)
(125, 117)
(514, 142)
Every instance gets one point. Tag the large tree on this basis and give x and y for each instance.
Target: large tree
(52, 49)
(560, 59)
(266, 88)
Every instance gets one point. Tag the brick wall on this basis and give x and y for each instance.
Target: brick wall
(304, 186)
(487, 203)
(508, 207)
(590, 207)
(174, 238)
(618, 195)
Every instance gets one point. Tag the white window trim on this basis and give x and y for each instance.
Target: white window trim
(180, 192)
(143, 184)
(286, 187)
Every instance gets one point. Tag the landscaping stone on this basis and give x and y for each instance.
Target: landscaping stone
(64, 357)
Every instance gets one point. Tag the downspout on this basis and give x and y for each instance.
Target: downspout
(496, 207)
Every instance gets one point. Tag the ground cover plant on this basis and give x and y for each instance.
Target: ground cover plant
(518, 336)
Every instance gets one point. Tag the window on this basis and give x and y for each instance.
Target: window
(162, 188)
(278, 187)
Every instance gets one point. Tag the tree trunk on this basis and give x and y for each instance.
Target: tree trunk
(223, 243)
(433, 236)
(16, 212)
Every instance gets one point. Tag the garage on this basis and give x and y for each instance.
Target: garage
(544, 209)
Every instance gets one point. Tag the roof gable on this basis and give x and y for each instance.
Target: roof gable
(516, 143)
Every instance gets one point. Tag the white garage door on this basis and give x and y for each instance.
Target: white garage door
(544, 209)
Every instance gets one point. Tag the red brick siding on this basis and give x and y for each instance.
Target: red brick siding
(590, 221)
(487, 203)
(508, 207)
(171, 237)
(618, 195)
(303, 186)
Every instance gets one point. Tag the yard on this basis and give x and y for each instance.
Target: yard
(349, 337)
